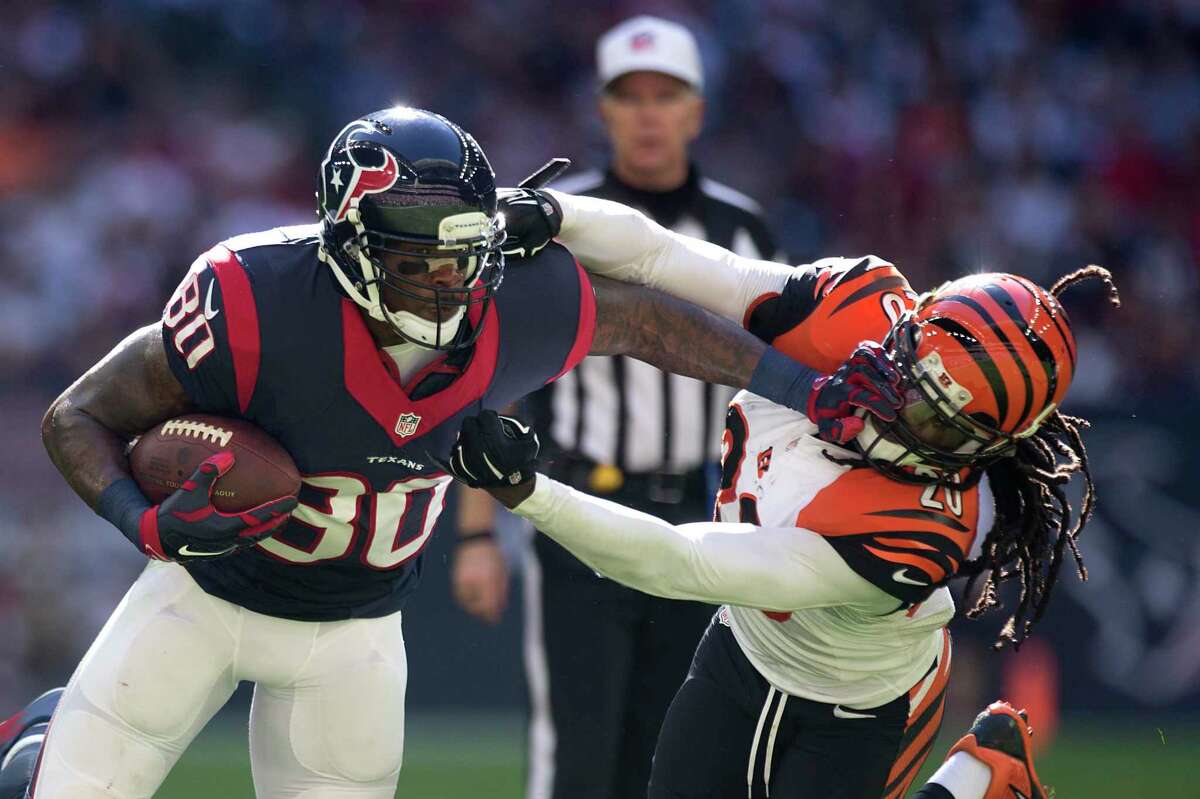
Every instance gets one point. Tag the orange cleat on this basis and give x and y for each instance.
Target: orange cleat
(1000, 738)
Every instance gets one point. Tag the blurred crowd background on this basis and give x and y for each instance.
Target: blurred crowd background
(1030, 136)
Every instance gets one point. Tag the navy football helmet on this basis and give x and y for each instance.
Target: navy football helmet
(403, 193)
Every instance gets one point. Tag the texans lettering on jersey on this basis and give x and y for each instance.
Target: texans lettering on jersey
(259, 330)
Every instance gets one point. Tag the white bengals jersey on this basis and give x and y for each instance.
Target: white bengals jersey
(906, 539)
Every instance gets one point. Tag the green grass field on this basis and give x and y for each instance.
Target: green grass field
(449, 757)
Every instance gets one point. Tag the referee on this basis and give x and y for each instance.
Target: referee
(603, 661)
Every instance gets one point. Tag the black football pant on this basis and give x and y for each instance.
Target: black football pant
(713, 746)
(611, 660)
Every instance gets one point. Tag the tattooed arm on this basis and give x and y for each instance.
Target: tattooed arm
(671, 334)
(131, 389)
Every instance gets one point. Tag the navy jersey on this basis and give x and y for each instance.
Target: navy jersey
(259, 330)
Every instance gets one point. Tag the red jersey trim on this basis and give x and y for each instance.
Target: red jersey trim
(241, 320)
(374, 388)
(586, 330)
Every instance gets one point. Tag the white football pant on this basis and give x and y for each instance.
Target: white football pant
(327, 719)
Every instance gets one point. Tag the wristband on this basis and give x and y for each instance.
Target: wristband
(488, 534)
(783, 380)
(123, 504)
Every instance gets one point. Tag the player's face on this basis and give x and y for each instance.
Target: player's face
(651, 120)
(921, 420)
(422, 277)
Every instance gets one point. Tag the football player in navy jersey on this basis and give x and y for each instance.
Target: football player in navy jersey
(360, 344)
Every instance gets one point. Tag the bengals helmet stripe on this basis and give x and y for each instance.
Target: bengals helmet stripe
(1044, 356)
(983, 359)
(990, 323)
(971, 391)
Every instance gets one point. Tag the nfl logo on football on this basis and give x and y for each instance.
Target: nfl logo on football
(406, 425)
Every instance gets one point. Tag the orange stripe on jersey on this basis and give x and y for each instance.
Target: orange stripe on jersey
(864, 501)
(876, 524)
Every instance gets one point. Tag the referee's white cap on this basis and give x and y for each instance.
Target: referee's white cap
(649, 44)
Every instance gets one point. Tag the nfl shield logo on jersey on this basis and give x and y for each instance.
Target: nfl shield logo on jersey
(406, 425)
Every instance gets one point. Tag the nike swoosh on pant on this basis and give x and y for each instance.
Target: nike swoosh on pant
(841, 713)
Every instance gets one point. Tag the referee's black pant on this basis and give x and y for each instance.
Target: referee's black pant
(602, 662)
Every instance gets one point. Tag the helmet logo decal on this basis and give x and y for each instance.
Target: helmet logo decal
(366, 178)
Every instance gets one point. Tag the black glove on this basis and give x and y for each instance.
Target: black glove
(186, 526)
(493, 450)
(868, 380)
(531, 219)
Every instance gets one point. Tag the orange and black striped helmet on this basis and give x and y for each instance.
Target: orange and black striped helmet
(985, 359)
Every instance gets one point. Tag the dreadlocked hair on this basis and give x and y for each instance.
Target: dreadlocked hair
(1034, 525)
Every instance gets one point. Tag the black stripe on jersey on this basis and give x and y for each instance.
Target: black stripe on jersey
(881, 572)
(982, 359)
(622, 420)
(882, 284)
(927, 515)
(942, 542)
(1040, 348)
(710, 395)
(946, 561)
(580, 404)
(1012, 352)
(668, 417)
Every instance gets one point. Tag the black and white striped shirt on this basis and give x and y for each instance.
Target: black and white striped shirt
(621, 411)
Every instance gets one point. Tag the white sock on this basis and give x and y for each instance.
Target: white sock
(965, 776)
(24, 743)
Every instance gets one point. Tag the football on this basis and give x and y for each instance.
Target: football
(167, 455)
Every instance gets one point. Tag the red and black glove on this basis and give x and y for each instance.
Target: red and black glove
(867, 380)
(186, 525)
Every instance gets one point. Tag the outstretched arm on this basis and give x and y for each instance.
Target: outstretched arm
(674, 335)
(759, 567)
(619, 242)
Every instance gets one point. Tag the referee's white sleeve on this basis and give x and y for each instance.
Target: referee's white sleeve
(619, 242)
(771, 568)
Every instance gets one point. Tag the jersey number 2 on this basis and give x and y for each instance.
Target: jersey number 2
(733, 453)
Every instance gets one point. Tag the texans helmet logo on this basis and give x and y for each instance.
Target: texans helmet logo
(348, 171)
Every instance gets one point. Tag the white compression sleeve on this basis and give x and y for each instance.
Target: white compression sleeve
(761, 567)
(622, 243)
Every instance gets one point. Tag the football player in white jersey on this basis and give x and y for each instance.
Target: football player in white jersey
(824, 673)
